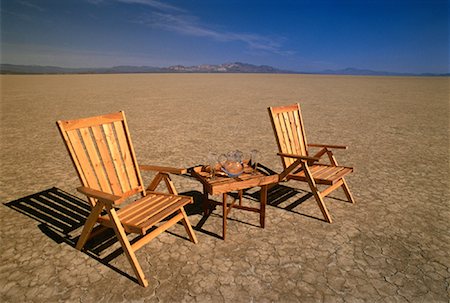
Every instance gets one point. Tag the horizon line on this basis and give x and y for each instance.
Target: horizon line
(167, 69)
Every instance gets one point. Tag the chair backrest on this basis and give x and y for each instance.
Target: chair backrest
(102, 153)
(288, 127)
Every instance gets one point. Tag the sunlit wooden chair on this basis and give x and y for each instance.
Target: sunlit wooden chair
(298, 164)
(104, 158)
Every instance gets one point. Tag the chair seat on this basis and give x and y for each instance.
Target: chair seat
(323, 174)
(141, 215)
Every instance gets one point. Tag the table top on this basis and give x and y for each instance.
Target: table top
(223, 184)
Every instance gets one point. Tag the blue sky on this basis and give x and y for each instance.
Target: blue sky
(401, 36)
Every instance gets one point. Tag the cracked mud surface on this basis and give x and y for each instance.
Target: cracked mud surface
(393, 245)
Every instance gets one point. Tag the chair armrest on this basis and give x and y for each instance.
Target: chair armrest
(329, 146)
(163, 169)
(100, 195)
(298, 157)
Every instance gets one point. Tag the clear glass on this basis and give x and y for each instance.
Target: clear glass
(212, 161)
(254, 158)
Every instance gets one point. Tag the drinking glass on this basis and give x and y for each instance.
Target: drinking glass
(212, 161)
(254, 155)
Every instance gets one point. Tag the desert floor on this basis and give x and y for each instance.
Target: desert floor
(393, 245)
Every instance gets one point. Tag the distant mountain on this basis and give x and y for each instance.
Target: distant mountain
(236, 67)
(37, 69)
(369, 72)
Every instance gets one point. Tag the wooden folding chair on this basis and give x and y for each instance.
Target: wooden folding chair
(104, 158)
(298, 165)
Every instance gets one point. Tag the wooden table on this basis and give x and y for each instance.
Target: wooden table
(222, 184)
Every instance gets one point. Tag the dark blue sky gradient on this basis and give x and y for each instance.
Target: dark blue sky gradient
(401, 36)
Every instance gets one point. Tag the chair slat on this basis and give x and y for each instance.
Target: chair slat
(324, 174)
(340, 174)
(313, 168)
(95, 160)
(279, 135)
(126, 155)
(303, 129)
(155, 207)
(286, 108)
(275, 119)
(290, 135)
(277, 125)
(328, 171)
(133, 155)
(159, 210)
(319, 169)
(116, 157)
(107, 160)
(299, 127)
(139, 206)
(333, 173)
(285, 140)
(83, 160)
(92, 121)
(284, 130)
(295, 135)
(170, 209)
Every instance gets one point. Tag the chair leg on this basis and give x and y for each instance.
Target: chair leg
(316, 193)
(188, 226)
(344, 183)
(322, 206)
(347, 191)
(129, 252)
(89, 225)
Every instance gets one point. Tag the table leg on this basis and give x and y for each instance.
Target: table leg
(205, 201)
(224, 226)
(263, 200)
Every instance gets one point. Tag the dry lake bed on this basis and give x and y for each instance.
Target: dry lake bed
(393, 245)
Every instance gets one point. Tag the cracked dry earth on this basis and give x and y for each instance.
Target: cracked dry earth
(393, 245)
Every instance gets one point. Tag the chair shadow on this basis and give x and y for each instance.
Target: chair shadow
(61, 217)
(279, 193)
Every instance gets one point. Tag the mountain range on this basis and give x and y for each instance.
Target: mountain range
(235, 67)
(369, 72)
